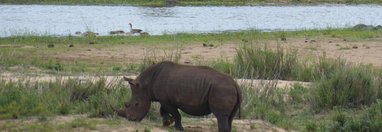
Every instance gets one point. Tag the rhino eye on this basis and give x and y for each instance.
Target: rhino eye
(136, 104)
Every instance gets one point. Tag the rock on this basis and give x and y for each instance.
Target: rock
(170, 3)
(50, 45)
(355, 47)
(116, 32)
(362, 26)
(367, 27)
(283, 39)
(205, 45)
(379, 27)
(78, 33)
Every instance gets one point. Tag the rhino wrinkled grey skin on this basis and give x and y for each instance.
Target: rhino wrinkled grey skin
(196, 90)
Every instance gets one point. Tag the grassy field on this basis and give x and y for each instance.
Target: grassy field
(189, 2)
(33, 51)
(342, 96)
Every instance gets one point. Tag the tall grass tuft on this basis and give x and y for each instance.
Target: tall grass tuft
(349, 86)
(151, 57)
(370, 120)
(61, 97)
(16, 101)
(264, 101)
(262, 62)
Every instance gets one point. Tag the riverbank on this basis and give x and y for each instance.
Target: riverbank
(158, 3)
(113, 54)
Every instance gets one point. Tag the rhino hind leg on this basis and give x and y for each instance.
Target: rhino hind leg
(167, 119)
(223, 123)
(175, 113)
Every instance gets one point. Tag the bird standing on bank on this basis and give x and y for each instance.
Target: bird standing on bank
(132, 31)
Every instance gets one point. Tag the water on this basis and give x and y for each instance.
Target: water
(64, 20)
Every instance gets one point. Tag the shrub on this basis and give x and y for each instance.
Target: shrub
(350, 86)
(264, 63)
(264, 102)
(223, 66)
(57, 66)
(151, 58)
(25, 99)
(369, 121)
(16, 102)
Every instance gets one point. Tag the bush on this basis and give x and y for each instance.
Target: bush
(256, 62)
(54, 66)
(223, 66)
(16, 102)
(264, 102)
(61, 97)
(350, 86)
(369, 121)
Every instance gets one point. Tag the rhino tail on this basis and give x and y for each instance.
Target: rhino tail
(240, 99)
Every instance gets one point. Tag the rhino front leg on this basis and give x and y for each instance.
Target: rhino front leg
(167, 119)
(175, 113)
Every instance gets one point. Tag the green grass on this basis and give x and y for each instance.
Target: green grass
(42, 57)
(48, 125)
(343, 96)
(261, 62)
(291, 109)
(185, 38)
(349, 86)
(73, 96)
(189, 2)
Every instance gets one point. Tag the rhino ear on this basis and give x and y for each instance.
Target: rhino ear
(131, 81)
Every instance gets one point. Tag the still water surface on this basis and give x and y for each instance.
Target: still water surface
(64, 20)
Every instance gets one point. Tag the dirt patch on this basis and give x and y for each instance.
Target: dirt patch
(367, 52)
(136, 53)
(11, 77)
(82, 123)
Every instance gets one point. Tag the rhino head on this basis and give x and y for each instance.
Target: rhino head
(139, 104)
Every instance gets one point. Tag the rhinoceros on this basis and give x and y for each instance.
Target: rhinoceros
(196, 90)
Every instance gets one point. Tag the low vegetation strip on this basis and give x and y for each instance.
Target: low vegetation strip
(350, 34)
(189, 2)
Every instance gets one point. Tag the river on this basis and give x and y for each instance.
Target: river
(65, 19)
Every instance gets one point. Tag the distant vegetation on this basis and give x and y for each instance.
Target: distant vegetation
(189, 2)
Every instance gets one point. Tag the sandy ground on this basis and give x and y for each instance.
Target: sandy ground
(366, 52)
(205, 124)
